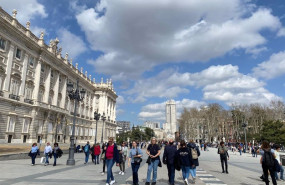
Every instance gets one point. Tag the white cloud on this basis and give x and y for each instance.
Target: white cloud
(120, 112)
(27, 9)
(120, 100)
(71, 43)
(219, 83)
(156, 112)
(138, 35)
(281, 32)
(272, 68)
(256, 51)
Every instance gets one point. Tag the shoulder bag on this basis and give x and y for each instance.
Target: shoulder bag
(137, 160)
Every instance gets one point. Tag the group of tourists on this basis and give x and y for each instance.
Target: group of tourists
(49, 152)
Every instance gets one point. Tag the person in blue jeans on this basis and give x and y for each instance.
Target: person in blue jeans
(111, 156)
(135, 152)
(277, 155)
(186, 161)
(34, 153)
(86, 149)
(195, 153)
(168, 159)
(55, 153)
(153, 151)
(47, 152)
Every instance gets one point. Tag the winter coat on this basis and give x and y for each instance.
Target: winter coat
(193, 146)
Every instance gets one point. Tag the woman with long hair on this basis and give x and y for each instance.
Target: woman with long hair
(134, 158)
(111, 156)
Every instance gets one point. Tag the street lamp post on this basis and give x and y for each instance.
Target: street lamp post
(96, 117)
(103, 117)
(244, 125)
(76, 95)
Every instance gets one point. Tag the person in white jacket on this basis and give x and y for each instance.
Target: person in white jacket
(47, 152)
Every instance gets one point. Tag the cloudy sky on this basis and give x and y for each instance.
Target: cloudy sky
(195, 52)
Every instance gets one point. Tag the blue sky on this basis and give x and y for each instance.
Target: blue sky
(195, 52)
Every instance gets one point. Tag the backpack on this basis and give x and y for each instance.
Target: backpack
(194, 153)
(268, 159)
(86, 148)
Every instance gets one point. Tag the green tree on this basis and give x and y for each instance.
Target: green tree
(148, 134)
(273, 131)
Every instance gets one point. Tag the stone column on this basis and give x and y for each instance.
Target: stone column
(37, 80)
(47, 85)
(63, 92)
(8, 70)
(33, 127)
(24, 75)
(56, 89)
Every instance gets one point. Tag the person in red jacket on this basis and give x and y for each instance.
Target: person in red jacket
(97, 152)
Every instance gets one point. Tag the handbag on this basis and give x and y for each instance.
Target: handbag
(43, 160)
(137, 160)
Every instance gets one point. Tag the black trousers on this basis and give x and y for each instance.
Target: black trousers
(265, 175)
(224, 162)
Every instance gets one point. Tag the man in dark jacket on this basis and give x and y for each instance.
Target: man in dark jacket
(224, 156)
(168, 158)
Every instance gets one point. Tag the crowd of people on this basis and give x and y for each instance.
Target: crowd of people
(180, 156)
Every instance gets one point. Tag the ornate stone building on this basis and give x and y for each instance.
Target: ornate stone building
(34, 104)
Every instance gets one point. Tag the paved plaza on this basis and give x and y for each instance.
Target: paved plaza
(243, 170)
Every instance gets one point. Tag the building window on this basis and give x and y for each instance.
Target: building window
(1, 81)
(43, 68)
(41, 95)
(51, 73)
(18, 53)
(59, 100)
(2, 44)
(32, 61)
(50, 98)
(26, 125)
(49, 127)
(11, 124)
(29, 91)
(15, 84)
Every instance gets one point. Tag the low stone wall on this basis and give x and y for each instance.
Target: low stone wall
(22, 156)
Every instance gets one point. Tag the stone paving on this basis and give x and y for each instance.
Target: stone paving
(244, 170)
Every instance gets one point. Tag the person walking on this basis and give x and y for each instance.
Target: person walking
(86, 150)
(185, 159)
(103, 157)
(56, 153)
(111, 156)
(153, 151)
(195, 153)
(33, 153)
(96, 152)
(168, 159)
(47, 153)
(267, 160)
(135, 159)
(92, 153)
(224, 156)
(124, 153)
(277, 155)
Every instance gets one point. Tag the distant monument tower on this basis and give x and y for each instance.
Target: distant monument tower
(170, 126)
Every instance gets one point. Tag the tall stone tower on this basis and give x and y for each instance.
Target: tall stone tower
(170, 126)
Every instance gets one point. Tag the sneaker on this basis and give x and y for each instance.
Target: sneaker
(32, 164)
(194, 180)
(227, 172)
(85, 163)
(122, 173)
(153, 183)
(147, 183)
(45, 164)
(102, 173)
(186, 182)
(107, 183)
(112, 182)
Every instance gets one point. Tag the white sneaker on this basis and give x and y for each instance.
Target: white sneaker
(107, 183)
(32, 164)
(122, 173)
(186, 182)
(112, 182)
(102, 173)
(194, 180)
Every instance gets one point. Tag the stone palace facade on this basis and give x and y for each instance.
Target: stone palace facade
(34, 103)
